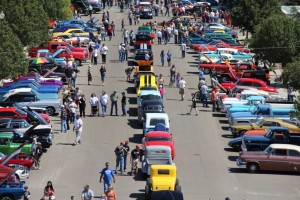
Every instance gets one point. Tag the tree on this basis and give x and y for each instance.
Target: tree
(291, 75)
(275, 40)
(28, 20)
(58, 9)
(12, 57)
(247, 14)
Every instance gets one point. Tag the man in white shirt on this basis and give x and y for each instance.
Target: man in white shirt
(159, 35)
(183, 49)
(72, 106)
(78, 129)
(204, 95)
(104, 100)
(103, 52)
(95, 56)
(182, 85)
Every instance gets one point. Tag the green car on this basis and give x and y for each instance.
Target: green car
(147, 28)
(7, 146)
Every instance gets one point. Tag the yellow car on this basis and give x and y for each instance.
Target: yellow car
(147, 82)
(76, 32)
(262, 124)
(162, 177)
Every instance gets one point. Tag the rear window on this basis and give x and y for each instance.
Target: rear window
(153, 122)
(143, 37)
(151, 139)
(153, 108)
(163, 171)
(294, 153)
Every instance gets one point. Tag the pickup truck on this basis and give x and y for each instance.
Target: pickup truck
(149, 106)
(254, 101)
(152, 119)
(10, 190)
(261, 111)
(53, 46)
(273, 135)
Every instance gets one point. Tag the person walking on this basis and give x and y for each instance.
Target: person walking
(90, 11)
(183, 49)
(169, 56)
(125, 36)
(114, 102)
(177, 79)
(120, 152)
(78, 129)
(182, 85)
(89, 74)
(49, 191)
(161, 91)
(103, 51)
(94, 101)
(95, 56)
(87, 193)
(123, 102)
(135, 158)
(107, 174)
(102, 74)
(72, 106)
(127, 151)
(104, 100)
(26, 195)
(159, 36)
(63, 118)
(194, 104)
(172, 76)
(111, 194)
(162, 57)
(214, 98)
(204, 94)
(82, 105)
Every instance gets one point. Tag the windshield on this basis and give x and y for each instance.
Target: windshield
(148, 88)
(151, 139)
(259, 122)
(153, 122)
(153, 108)
(254, 111)
(268, 133)
(150, 97)
(267, 150)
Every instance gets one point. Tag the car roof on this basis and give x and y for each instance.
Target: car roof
(285, 146)
(147, 92)
(158, 133)
(163, 167)
(251, 80)
(255, 98)
(278, 128)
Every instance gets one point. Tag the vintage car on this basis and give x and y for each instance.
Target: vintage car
(161, 138)
(147, 82)
(10, 189)
(156, 155)
(142, 70)
(143, 39)
(251, 82)
(162, 177)
(45, 53)
(45, 81)
(30, 84)
(25, 160)
(7, 146)
(152, 119)
(140, 57)
(166, 195)
(29, 92)
(72, 40)
(261, 110)
(262, 124)
(148, 95)
(65, 52)
(277, 157)
(72, 31)
(149, 106)
(146, 12)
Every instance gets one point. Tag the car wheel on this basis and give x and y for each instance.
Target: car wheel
(253, 167)
(147, 192)
(50, 111)
(206, 71)
(177, 188)
(6, 197)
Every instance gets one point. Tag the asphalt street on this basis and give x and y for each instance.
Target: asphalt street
(206, 167)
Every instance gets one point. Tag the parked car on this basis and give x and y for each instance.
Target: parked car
(32, 85)
(140, 60)
(147, 82)
(276, 157)
(148, 95)
(10, 190)
(25, 160)
(45, 53)
(152, 119)
(149, 106)
(146, 12)
(166, 195)
(29, 92)
(7, 146)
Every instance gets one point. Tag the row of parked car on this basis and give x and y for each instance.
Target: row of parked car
(158, 145)
(25, 106)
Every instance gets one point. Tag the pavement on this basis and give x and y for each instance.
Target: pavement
(206, 166)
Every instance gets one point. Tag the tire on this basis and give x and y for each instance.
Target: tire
(206, 71)
(145, 175)
(147, 192)
(177, 188)
(50, 111)
(6, 197)
(253, 167)
(177, 182)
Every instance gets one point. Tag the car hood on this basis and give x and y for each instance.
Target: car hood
(57, 52)
(241, 114)
(49, 96)
(235, 142)
(251, 154)
(255, 132)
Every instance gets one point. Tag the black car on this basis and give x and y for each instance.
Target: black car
(166, 195)
(20, 137)
(146, 13)
(149, 106)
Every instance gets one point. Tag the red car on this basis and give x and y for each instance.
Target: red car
(66, 53)
(12, 112)
(208, 47)
(222, 67)
(159, 138)
(250, 82)
(19, 159)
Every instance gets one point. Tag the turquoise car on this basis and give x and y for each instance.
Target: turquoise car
(148, 95)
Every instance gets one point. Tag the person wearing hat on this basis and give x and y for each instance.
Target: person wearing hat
(26, 194)
(63, 119)
(123, 102)
(87, 193)
(89, 74)
(78, 129)
(134, 159)
(114, 102)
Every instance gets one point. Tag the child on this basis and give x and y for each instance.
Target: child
(26, 194)
(103, 197)
(161, 91)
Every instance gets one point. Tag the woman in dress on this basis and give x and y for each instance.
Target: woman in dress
(49, 191)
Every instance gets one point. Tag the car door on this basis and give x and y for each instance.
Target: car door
(276, 161)
(4, 145)
(266, 125)
(294, 160)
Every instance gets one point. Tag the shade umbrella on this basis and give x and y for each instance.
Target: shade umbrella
(40, 61)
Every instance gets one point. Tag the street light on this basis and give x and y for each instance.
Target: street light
(2, 15)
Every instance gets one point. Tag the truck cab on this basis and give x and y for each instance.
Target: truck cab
(152, 119)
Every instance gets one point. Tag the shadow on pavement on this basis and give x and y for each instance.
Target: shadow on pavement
(62, 143)
(223, 121)
(218, 115)
(136, 138)
(232, 158)
(227, 136)
(192, 72)
(137, 196)
(237, 170)
(132, 112)
(225, 128)
(134, 123)
(131, 90)
(132, 100)
(228, 149)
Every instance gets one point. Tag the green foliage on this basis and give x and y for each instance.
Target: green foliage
(11, 53)
(275, 39)
(291, 75)
(247, 14)
(28, 20)
(58, 9)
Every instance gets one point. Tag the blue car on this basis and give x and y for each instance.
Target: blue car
(53, 89)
